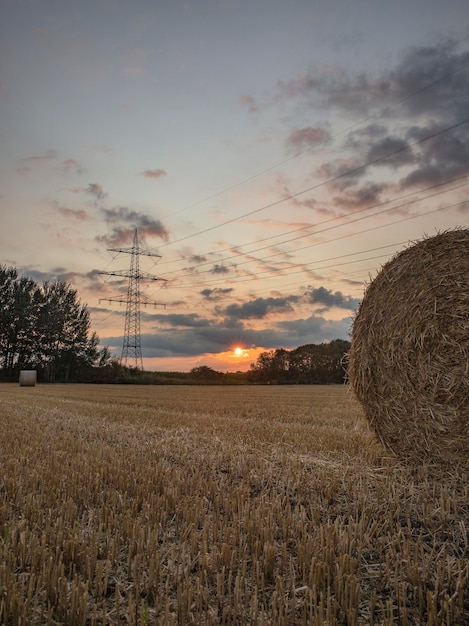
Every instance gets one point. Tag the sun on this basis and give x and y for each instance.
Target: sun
(238, 351)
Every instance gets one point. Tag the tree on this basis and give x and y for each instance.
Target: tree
(308, 364)
(44, 327)
(64, 324)
(18, 301)
(205, 373)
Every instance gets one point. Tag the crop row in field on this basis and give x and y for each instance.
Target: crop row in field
(219, 505)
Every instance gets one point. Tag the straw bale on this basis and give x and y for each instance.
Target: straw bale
(28, 378)
(409, 359)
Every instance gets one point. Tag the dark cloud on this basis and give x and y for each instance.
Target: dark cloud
(125, 220)
(259, 308)
(344, 168)
(426, 92)
(366, 196)
(326, 297)
(391, 151)
(155, 173)
(60, 274)
(375, 143)
(220, 269)
(442, 157)
(419, 67)
(314, 329)
(307, 138)
(96, 190)
(215, 294)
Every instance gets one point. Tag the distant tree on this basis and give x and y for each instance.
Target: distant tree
(308, 364)
(205, 373)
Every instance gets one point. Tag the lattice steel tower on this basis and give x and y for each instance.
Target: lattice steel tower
(132, 345)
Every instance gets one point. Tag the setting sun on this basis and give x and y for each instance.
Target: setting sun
(240, 352)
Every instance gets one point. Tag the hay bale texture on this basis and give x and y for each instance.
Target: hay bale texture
(409, 359)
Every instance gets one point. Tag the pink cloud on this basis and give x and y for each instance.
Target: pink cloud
(154, 173)
(71, 164)
(50, 154)
(77, 214)
(308, 137)
(251, 104)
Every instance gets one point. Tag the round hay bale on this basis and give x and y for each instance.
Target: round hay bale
(28, 378)
(409, 359)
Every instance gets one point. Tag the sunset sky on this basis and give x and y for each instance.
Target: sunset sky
(275, 154)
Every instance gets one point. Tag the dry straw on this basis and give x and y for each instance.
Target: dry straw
(409, 360)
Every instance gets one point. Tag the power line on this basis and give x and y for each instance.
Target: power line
(323, 143)
(317, 232)
(238, 280)
(332, 219)
(349, 172)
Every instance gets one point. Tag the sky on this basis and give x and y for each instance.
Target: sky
(273, 154)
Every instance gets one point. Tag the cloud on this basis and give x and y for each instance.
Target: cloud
(441, 158)
(335, 87)
(326, 297)
(154, 173)
(314, 329)
(219, 269)
(46, 156)
(96, 190)
(425, 92)
(22, 171)
(197, 258)
(307, 138)
(178, 320)
(249, 101)
(342, 167)
(69, 165)
(125, 220)
(215, 294)
(391, 152)
(76, 214)
(259, 308)
(60, 274)
(366, 196)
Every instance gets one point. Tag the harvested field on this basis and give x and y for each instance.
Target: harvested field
(220, 505)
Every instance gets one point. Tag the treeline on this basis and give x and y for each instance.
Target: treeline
(114, 372)
(311, 364)
(320, 364)
(46, 328)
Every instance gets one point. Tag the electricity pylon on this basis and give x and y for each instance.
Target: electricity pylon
(132, 345)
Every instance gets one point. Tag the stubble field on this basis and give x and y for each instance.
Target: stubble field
(220, 505)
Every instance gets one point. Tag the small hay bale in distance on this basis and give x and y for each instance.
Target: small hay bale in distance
(409, 358)
(28, 378)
